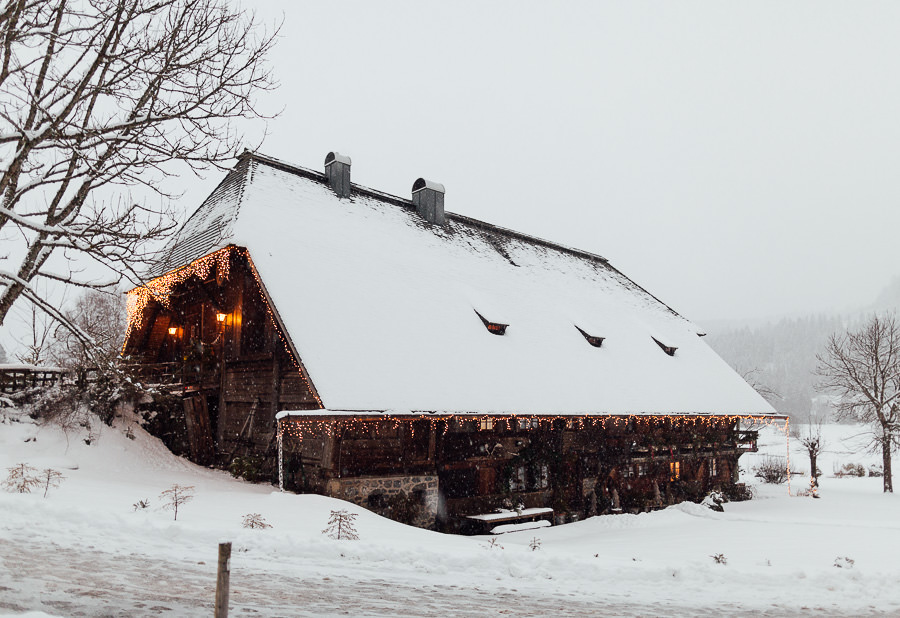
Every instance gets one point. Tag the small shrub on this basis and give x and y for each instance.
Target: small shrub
(876, 470)
(129, 433)
(176, 496)
(535, 544)
(771, 470)
(142, 504)
(342, 526)
(255, 520)
(844, 562)
(719, 558)
(21, 479)
(248, 468)
(493, 544)
(50, 478)
(850, 469)
(739, 492)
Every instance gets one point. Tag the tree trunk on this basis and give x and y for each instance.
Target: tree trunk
(812, 469)
(886, 459)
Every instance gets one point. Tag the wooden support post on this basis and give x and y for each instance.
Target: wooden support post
(222, 581)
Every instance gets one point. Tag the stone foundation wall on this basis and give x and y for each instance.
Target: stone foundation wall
(358, 489)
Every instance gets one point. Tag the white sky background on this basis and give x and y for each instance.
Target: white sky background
(738, 161)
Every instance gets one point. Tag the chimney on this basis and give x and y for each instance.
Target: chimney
(337, 168)
(429, 200)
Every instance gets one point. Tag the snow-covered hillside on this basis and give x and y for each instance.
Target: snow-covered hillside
(84, 550)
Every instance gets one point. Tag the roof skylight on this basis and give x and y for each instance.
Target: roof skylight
(494, 328)
(594, 341)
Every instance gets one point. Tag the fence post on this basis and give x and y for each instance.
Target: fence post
(222, 580)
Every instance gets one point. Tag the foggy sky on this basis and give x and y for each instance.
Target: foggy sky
(738, 161)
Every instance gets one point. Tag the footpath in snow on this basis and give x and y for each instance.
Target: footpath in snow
(84, 550)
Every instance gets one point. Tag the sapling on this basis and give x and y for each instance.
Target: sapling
(535, 544)
(50, 478)
(341, 526)
(176, 496)
(21, 478)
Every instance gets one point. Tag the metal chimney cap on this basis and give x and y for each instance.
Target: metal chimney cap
(336, 157)
(421, 183)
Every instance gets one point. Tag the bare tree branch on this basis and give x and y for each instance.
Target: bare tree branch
(100, 94)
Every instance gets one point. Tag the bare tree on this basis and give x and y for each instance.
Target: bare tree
(50, 478)
(100, 94)
(102, 317)
(37, 344)
(752, 377)
(862, 368)
(811, 439)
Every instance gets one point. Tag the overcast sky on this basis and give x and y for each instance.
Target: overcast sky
(736, 160)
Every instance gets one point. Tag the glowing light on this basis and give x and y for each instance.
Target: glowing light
(220, 317)
(173, 330)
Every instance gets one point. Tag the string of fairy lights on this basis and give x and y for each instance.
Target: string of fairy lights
(297, 426)
(161, 288)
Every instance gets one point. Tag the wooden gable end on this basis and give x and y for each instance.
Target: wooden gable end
(210, 330)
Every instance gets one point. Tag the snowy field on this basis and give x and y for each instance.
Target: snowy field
(85, 551)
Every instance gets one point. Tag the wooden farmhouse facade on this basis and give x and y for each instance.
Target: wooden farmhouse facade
(428, 366)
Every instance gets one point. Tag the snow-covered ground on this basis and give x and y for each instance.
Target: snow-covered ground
(85, 551)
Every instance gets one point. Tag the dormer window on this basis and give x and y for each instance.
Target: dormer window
(493, 327)
(594, 341)
(670, 350)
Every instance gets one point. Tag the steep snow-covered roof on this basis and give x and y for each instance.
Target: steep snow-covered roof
(381, 308)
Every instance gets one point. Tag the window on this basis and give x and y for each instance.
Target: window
(494, 328)
(670, 350)
(529, 423)
(642, 469)
(674, 470)
(713, 471)
(517, 480)
(628, 472)
(594, 341)
(487, 424)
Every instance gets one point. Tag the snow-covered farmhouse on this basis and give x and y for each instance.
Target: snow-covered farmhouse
(426, 365)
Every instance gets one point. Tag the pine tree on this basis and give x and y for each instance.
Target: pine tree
(21, 479)
(341, 526)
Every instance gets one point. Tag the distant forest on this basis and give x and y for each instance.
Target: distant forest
(780, 356)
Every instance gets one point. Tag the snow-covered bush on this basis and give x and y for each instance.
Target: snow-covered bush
(844, 562)
(21, 478)
(850, 469)
(876, 470)
(255, 521)
(534, 544)
(714, 501)
(142, 504)
(719, 558)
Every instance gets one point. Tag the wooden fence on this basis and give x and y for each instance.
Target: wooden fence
(18, 377)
